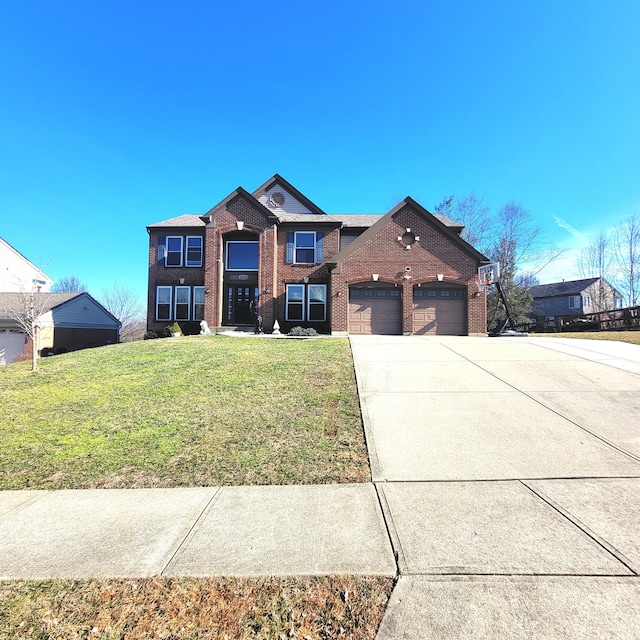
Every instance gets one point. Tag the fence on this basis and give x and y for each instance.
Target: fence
(614, 320)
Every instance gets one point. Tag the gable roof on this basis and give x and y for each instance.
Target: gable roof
(46, 302)
(278, 179)
(565, 288)
(343, 220)
(437, 221)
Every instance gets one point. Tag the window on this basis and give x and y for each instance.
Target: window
(163, 303)
(242, 255)
(198, 303)
(183, 302)
(306, 302)
(305, 247)
(173, 255)
(317, 297)
(295, 302)
(574, 302)
(194, 251)
(586, 301)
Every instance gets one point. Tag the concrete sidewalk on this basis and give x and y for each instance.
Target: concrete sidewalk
(509, 475)
(506, 497)
(239, 531)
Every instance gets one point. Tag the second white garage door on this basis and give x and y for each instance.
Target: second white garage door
(439, 311)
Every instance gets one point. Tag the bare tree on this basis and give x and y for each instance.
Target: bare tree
(527, 279)
(69, 284)
(445, 206)
(124, 304)
(26, 308)
(627, 244)
(475, 215)
(517, 241)
(595, 261)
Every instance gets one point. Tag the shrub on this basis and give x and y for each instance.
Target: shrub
(175, 328)
(300, 331)
(150, 335)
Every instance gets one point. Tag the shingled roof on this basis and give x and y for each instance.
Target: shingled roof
(565, 288)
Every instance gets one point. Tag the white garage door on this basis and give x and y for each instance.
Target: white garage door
(11, 345)
(439, 311)
(375, 310)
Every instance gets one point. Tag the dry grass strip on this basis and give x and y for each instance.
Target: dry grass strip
(189, 608)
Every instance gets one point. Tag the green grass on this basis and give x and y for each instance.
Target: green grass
(196, 411)
(633, 337)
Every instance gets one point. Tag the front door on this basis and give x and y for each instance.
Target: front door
(240, 304)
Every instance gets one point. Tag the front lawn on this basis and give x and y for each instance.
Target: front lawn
(633, 337)
(189, 608)
(195, 411)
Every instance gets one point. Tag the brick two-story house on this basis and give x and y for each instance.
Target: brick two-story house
(276, 254)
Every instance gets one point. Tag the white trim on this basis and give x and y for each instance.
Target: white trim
(158, 319)
(316, 304)
(167, 252)
(193, 303)
(312, 248)
(186, 251)
(226, 253)
(296, 302)
(176, 303)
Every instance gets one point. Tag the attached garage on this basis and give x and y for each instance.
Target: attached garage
(439, 311)
(375, 310)
(11, 345)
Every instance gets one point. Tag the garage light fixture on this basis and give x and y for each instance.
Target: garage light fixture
(440, 277)
(374, 277)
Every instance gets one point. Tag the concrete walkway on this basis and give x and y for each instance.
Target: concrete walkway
(506, 497)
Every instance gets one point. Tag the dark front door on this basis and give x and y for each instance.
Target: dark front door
(240, 304)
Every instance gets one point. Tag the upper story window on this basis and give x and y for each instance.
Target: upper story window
(242, 255)
(575, 302)
(194, 251)
(173, 253)
(586, 301)
(305, 247)
(178, 251)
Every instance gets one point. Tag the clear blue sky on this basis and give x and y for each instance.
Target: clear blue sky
(115, 115)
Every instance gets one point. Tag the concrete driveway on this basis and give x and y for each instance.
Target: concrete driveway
(508, 471)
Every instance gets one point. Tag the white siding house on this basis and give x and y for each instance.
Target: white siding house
(19, 274)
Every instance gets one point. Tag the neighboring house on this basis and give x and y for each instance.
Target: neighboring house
(558, 302)
(19, 274)
(66, 321)
(276, 254)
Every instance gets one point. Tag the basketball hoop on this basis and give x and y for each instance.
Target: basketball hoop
(488, 274)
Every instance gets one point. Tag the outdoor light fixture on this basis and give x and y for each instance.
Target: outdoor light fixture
(440, 277)
(181, 280)
(305, 279)
(374, 277)
(240, 225)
